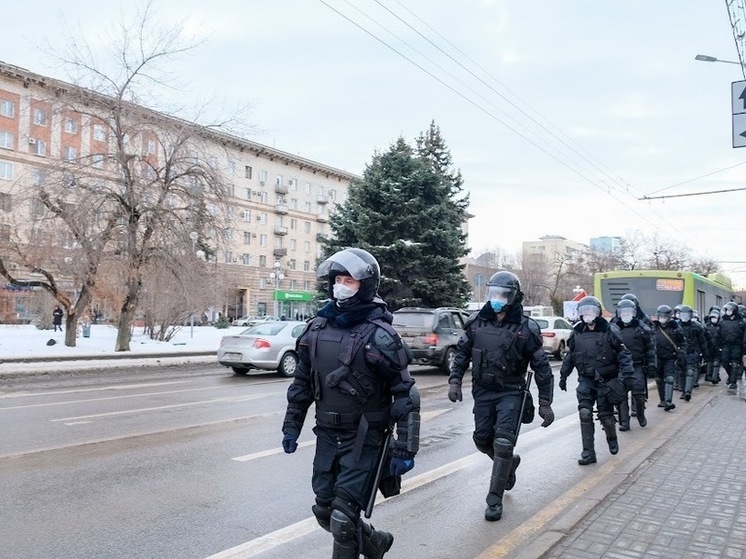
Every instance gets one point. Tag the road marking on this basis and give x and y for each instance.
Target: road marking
(172, 406)
(284, 535)
(96, 389)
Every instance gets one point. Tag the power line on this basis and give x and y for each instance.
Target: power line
(647, 196)
(690, 194)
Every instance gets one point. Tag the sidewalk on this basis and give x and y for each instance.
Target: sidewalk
(687, 500)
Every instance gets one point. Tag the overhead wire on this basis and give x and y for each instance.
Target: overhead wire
(487, 112)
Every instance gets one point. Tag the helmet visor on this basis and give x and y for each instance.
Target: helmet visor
(499, 293)
(626, 315)
(346, 261)
(588, 312)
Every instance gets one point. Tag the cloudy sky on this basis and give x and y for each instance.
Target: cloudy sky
(560, 114)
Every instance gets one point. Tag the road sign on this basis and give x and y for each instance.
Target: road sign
(738, 110)
(579, 295)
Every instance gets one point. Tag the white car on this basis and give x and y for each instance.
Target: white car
(267, 345)
(555, 331)
(244, 321)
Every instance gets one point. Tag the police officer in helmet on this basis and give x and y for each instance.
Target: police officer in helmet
(353, 366)
(599, 355)
(500, 343)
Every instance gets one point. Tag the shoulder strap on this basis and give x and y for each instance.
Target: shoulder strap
(355, 341)
(662, 331)
(402, 352)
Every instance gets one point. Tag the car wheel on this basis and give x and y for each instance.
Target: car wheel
(560, 353)
(240, 370)
(448, 360)
(288, 363)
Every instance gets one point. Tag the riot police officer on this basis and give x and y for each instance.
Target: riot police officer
(639, 340)
(712, 364)
(500, 342)
(639, 313)
(696, 346)
(599, 355)
(670, 349)
(353, 365)
(731, 332)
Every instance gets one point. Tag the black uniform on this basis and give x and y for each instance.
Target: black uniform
(696, 347)
(599, 355)
(638, 338)
(731, 332)
(670, 349)
(712, 361)
(500, 352)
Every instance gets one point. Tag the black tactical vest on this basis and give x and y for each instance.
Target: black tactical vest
(495, 361)
(593, 353)
(731, 331)
(634, 340)
(345, 388)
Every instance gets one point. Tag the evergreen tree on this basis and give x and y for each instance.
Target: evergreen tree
(404, 212)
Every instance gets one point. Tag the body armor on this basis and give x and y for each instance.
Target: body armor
(496, 362)
(634, 340)
(594, 354)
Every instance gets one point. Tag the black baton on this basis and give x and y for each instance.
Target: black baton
(379, 472)
(526, 395)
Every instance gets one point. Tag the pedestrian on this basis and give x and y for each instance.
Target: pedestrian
(354, 366)
(596, 350)
(639, 339)
(712, 363)
(57, 318)
(670, 351)
(731, 333)
(696, 347)
(500, 342)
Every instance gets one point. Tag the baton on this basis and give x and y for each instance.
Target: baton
(526, 394)
(379, 472)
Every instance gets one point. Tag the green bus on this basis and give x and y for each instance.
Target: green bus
(663, 287)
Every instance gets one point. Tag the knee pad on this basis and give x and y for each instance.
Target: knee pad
(483, 446)
(503, 448)
(342, 526)
(586, 415)
(668, 379)
(323, 516)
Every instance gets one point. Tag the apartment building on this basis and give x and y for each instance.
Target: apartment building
(550, 251)
(278, 203)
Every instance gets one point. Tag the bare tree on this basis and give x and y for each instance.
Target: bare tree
(704, 265)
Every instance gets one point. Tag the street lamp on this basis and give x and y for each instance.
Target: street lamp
(200, 254)
(278, 276)
(707, 58)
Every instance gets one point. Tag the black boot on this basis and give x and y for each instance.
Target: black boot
(587, 430)
(609, 426)
(511, 476)
(375, 542)
(668, 391)
(624, 416)
(640, 407)
(501, 468)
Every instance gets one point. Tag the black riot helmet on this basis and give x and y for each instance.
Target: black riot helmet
(626, 310)
(357, 263)
(589, 309)
(742, 310)
(730, 308)
(664, 313)
(677, 310)
(685, 313)
(630, 297)
(504, 287)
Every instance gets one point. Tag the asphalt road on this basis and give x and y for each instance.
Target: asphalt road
(189, 465)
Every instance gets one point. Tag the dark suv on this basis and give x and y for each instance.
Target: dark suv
(432, 334)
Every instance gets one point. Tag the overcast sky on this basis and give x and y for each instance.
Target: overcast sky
(569, 111)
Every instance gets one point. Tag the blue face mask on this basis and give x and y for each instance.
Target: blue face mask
(497, 306)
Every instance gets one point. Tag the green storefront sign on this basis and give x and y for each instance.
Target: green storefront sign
(293, 295)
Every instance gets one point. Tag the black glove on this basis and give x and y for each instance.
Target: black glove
(454, 392)
(546, 413)
(290, 443)
(402, 461)
(563, 384)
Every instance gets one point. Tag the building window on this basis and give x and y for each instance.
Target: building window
(247, 237)
(98, 161)
(248, 171)
(38, 177)
(291, 264)
(40, 117)
(245, 259)
(70, 153)
(293, 244)
(307, 246)
(307, 188)
(232, 167)
(263, 240)
(229, 212)
(293, 203)
(263, 197)
(4, 232)
(230, 190)
(307, 226)
(99, 132)
(262, 218)
(307, 207)
(262, 261)
(228, 257)
(150, 147)
(228, 233)
(6, 139)
(262, 283)
(7, 108)
(247, 216)
(70, 126)
(263, 177)
(306, 265)
(306, 285)
(38, 147)
(5, 204)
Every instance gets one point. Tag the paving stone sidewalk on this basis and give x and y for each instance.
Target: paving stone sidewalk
(688, 501)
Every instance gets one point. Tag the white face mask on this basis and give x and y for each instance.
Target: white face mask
(342, 292)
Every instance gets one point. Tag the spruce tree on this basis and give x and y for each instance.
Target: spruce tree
(405, 212)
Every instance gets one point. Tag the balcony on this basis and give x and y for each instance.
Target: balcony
(281, 209)
(281, 230)
(320, 237)
(322, 199)
(281, 189)
(280, 252)
(322, 218)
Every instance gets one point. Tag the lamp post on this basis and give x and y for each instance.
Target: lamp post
(277, 276)
(708, 58)
(199, 254)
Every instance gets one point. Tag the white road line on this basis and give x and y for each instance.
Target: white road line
(142, 394)
(284, 535)
(140, 410)
(96, 389)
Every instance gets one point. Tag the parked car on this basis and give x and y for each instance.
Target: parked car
(260, 319)
(432, 334)
(555, 331)
(244, 321)
(267, 345)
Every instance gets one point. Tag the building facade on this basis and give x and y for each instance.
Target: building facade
(278, 203)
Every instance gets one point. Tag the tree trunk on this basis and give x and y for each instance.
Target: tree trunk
(127, 315)
(71, 329)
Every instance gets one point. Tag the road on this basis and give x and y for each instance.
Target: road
(190, 466)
